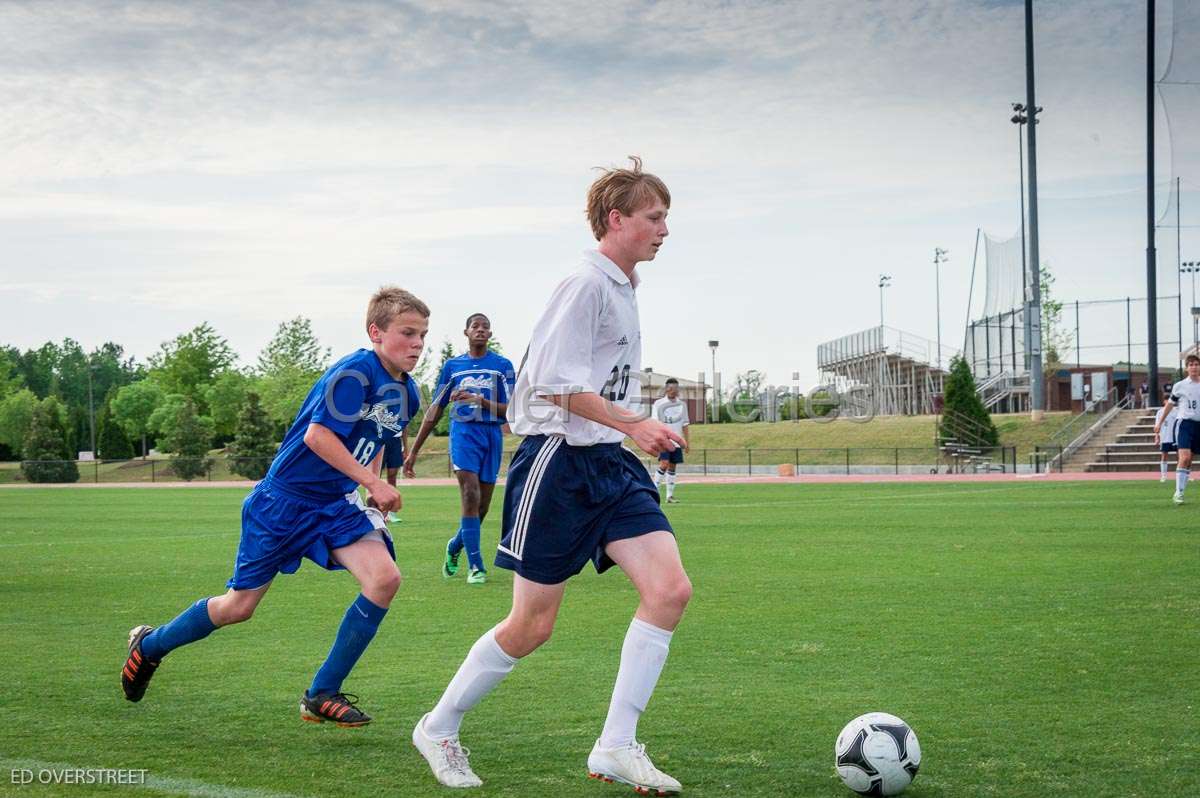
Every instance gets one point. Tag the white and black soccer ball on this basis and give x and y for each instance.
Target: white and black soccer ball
(877, 754)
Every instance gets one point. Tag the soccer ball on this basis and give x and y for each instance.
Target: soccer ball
(877, 754)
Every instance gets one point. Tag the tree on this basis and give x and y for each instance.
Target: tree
(132, 407)
(1055, 339)
(743, 404)
(46, 458)
(225, 398)
(288, 367)
(37, 369)
(293, 347)
(111, 439)
(254, 444)
(282, 394)
(444, 355)
(964, 418)
(442, 428)
(10, 375)
(191, 362)
(163, 420)
(16, 413)
(190, 438)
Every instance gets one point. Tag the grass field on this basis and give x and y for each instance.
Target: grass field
(1042, 640)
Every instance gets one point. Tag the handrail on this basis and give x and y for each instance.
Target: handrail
(1076, 444)
(1060, 438)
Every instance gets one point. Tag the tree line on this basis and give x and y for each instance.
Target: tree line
(188, 398)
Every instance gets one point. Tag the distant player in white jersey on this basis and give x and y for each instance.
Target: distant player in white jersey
(672, 411)
(575, 493)
(1167, 421)
(1185, 395)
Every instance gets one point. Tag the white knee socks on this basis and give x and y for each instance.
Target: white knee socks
(485, 667)
(642, 657)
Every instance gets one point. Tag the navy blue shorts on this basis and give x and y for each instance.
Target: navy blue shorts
(1167, 448)
(671, 456)
(476, 447)
(563, 504)
(393, 453)
(280, 528)
(1187, 435)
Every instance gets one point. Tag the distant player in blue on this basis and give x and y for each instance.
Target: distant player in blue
(393, 461)
(477, 386)
(308, 506)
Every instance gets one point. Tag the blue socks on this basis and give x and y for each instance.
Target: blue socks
(358, 627)
(191, 625)
(469, 533)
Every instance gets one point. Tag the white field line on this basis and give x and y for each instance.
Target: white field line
(168, 784)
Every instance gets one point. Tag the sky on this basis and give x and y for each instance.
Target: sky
(168, 164)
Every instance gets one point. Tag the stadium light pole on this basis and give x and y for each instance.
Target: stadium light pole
(712, 345)
(1033, 307)
(884, 281)
(1019, 118)
(940, 256)
(92, 407)
(1151, 216)
(1191, 267)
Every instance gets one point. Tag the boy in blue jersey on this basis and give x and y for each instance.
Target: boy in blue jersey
(308, 506)
(478, 384)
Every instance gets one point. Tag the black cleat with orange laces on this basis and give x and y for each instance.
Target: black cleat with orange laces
(336, 708)
(136, 673)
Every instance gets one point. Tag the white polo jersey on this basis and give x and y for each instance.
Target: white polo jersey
(1186, 396)
(1167, 424)
(673, 413)
(588, 339)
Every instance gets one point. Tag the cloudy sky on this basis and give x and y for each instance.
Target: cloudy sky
(172, 163)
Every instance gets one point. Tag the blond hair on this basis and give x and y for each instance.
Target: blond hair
(625, 190)
(389, 302)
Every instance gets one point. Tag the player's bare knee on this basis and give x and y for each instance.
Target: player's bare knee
(538, 634)
(470, 499)
(520, 637)
(673, 595)
(235, 609)
(681, 592)
(387, 584)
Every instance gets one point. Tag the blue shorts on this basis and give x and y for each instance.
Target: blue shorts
(1167, 448)
(563, 504)
(1187, 435)
(393, 452)
(476, 447)
(671, 456)
(279, 528)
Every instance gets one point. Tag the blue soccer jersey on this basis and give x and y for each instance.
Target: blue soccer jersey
(491, 376)
(363, 404)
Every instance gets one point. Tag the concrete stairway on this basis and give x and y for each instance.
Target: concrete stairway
(1125, 444)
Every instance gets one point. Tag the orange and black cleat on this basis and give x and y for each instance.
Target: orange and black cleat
(136, 673)
(335, 708)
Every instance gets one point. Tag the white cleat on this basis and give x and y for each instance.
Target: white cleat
(1162, 479)
(1178, 498)
(446, 757)
(630, 765)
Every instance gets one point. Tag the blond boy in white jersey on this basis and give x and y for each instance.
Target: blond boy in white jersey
(1185, 395)
(575, 494)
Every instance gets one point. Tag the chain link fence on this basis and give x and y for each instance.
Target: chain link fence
(705, 462)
